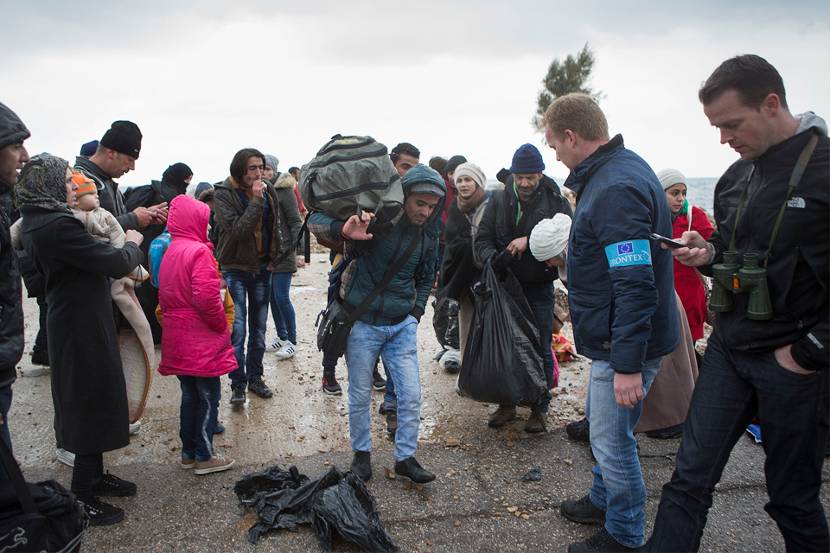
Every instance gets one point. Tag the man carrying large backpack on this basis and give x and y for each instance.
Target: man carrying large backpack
(388, 327)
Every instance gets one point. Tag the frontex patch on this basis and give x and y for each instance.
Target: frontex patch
(628, 253)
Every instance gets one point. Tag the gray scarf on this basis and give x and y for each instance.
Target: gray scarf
(42, 184)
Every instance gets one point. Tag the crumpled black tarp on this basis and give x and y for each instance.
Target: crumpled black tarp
(334, 504)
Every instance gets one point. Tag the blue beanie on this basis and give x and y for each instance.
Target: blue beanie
(89, 148)
(423, 180)
(527, 160)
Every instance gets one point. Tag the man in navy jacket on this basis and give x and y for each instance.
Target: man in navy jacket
(621, 295)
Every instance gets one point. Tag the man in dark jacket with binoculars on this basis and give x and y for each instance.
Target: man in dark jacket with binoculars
(768, 355)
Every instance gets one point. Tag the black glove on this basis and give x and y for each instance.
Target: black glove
(502, 261)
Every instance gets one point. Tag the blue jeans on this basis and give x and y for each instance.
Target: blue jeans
(390, 398)
(250, 292)
(281, 308)
(398, 347)
(734, 386)
(200, 405)
(540, 297)
(618, 485)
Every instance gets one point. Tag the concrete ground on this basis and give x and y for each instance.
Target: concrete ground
(478, 502)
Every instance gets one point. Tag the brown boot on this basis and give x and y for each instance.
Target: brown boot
(501, 416)
(536, 422)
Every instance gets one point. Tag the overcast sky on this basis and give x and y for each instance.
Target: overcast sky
(205, 79)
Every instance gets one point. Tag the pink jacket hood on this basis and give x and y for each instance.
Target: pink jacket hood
(189, 218)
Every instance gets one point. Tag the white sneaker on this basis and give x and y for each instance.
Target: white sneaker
(65, 457)
(135, 427)
(34, 370)
(287, 351)
(276, 345)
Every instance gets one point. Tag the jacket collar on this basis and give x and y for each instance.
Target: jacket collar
(581, 174)
(786, 152)
(91, 167)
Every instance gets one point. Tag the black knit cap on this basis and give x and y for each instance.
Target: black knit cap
(454, 162)
(123, 137)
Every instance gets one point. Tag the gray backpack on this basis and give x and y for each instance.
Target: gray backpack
(350, 174)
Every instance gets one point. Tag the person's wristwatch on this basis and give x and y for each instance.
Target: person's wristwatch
(711, 249)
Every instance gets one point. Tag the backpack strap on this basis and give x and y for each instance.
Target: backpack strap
(16, 479)
(387, 278)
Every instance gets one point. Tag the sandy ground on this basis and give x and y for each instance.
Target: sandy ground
(466, 509)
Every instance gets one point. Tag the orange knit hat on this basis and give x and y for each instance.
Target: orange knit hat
(85, 184)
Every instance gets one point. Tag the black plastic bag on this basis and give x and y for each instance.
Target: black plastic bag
(335, 504)
(445, 322)
(348, 509)
(503, 357)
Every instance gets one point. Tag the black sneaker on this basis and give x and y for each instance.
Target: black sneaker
(579, 431)
(378, 382)
(452, 367)
(110, 485)
(582, 510)
(601, 541)
(237, 395)
(383, 409)
(100, 513)
(362, 465)
(40, 358)
(331, 386)
(260, 388)
(666, 433)
(410, 469)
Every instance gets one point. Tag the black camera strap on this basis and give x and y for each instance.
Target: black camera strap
(795, 178)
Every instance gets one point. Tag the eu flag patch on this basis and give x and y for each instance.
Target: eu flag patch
(628, 253)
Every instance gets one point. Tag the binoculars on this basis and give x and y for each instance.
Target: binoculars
(731, 278)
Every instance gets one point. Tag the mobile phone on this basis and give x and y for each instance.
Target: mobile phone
(673, 244)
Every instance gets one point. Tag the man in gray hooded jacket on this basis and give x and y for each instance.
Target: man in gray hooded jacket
(13, 155)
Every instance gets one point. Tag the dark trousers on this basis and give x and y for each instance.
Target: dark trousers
(5, 405)
(88, 469)
(540, 297)
(732, 387)
(41, 342)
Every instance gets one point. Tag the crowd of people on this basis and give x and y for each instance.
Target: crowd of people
(643, 269)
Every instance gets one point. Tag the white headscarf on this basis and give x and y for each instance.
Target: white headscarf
(549, 237)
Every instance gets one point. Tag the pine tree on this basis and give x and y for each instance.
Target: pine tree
(564, 77)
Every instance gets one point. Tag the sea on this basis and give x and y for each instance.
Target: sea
(701, 190)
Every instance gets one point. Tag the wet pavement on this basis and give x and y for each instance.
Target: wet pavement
(478, 502)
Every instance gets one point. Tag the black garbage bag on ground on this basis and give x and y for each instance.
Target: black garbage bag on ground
(503, 357)
(335, 504)
(445, 322)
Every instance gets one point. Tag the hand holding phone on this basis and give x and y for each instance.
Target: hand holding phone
(673, 244)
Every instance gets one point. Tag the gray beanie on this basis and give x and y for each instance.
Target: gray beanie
(12, 129)
(470, 170)
(670, 177)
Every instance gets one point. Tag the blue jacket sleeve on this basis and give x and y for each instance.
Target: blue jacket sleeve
(326, 229)
(423, 284)
(622, 222)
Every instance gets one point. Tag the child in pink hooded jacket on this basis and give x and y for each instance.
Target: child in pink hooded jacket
(196, 344)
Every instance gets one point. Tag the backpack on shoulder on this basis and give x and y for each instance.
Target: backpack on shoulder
(351, 174)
